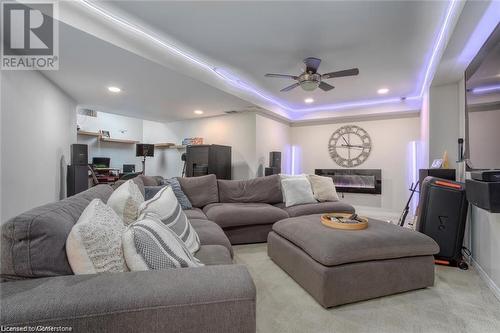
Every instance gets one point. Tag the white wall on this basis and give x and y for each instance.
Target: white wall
(272, 135)
(119, 127)
(444, 122)
(485, 236)
(391, 144)
(38, 124)
(237, 131)
(166, 162)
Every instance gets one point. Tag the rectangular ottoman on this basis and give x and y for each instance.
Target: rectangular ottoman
(344, 266)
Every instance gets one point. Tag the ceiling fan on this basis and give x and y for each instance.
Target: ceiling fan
(310, 79)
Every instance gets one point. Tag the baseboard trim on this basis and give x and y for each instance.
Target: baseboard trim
(489, 282)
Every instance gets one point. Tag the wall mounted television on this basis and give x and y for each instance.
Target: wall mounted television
(482, 110)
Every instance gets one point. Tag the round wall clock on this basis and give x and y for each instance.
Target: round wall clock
(350, 146)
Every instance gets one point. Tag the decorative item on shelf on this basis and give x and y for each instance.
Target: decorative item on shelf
(344, 221)
(437, 163)
(143, 150)
(350, 146)
(446, 163)
(192, 141)
(104, 134)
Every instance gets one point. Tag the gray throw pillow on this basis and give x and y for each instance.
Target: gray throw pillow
(179, 194)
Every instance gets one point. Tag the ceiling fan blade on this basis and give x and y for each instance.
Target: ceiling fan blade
(295, 85)
(312, 64)
(282, 76)
(345, 72)
(325, 86)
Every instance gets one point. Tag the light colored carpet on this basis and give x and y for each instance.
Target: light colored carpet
(459, 302)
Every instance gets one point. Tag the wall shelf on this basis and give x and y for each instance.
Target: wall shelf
(103, 139)
(87, 133)
(165, 145)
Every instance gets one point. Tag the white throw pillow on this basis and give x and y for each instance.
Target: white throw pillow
(125, 201)
(296, 191)
(285, 176)
(150, 244)
(94, 244)
(167, 208)
(323, 188)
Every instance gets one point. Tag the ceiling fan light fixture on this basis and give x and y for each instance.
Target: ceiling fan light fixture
(309, 100)
(309, 85)
(383, 91)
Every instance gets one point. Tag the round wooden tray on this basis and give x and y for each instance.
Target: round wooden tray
(362, 222)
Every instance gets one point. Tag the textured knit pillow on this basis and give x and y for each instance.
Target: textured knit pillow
(166, 207)
(179, 194)
(94, 244)
(126, 200)
(323, 188)
(150, 244)
(296, 191)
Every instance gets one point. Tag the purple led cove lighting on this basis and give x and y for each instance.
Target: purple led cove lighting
(486, 89)
(437, 47)
(483, 30)
(238, 83)
(242, 85)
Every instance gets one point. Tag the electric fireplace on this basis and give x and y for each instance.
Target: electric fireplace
(354, 180)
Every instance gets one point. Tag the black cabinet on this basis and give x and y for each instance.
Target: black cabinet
(208, 159)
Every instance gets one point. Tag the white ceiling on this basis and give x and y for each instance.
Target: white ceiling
(474, 26)
(89, 65)
(389, 41)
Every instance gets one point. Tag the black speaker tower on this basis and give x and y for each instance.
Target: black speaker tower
(442, 215)
(79, 154)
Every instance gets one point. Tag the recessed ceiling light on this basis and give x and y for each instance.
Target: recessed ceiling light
(382, 91)
(308, 100)
(114, 89)
(198, 111)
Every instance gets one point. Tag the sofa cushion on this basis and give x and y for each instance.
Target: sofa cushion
(179, 194)
(34, 243)
(317, 208)
(126, 200)
(237, 214)
(165, 206)
(137, 180)
(94, 244)
(211, 234)
(195, 213)
(261, 189)
(201, 191)
(331, 247)
(296, 191)
(214, 255)
(150, 244)
(150, 180)
(323, 188)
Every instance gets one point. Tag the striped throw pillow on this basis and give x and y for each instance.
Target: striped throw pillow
(149, 244)
(166, 207)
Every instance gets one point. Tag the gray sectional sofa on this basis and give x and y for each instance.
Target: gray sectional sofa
(38, 286)
(39, 289)
(247, 209)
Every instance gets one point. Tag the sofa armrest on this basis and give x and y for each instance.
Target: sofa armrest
(203, 299)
